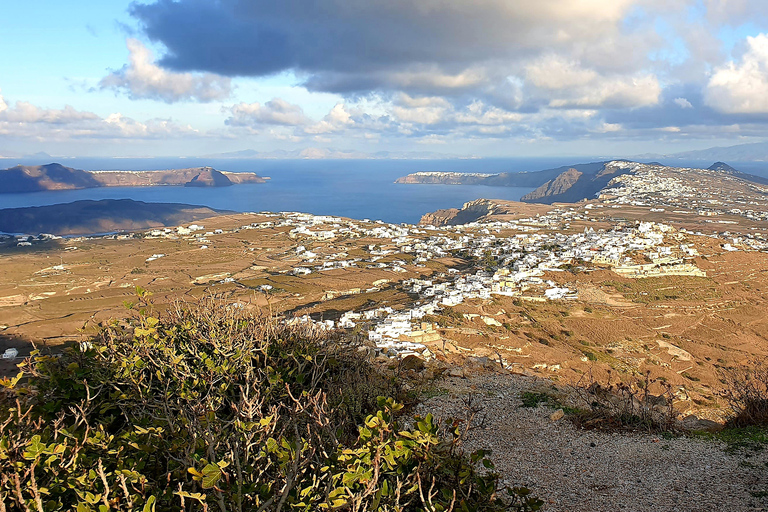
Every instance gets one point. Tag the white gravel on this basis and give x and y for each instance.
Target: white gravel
(589, 470)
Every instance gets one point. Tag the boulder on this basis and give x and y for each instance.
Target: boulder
(412, 362)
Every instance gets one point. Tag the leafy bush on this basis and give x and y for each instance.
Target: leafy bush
(211, 407)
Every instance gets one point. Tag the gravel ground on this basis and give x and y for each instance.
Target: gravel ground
(589, 470)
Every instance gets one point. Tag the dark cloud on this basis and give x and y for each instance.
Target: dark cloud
(346, 45)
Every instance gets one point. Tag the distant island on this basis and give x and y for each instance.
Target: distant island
(104, 216)
(36, 178)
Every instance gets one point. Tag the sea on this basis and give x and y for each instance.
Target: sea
(358, 189)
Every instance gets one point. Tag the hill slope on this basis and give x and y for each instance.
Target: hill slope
(88, 217)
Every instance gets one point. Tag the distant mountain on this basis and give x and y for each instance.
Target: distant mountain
(246, 153)
(35, 178)
(753, 152)
(572, 185)
(334, 154)
(16, 154)
(107, 215)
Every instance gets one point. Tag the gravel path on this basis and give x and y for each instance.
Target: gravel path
(588, 470)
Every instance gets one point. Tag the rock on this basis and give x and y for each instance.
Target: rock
(557, 415)
(412, 362)
(693, 422)
(491, 321)
(478, 361)
(455, 372)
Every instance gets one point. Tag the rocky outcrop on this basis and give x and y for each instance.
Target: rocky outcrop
(57, 177)
(470, 212)
(209, 178)
(481, 209)
(439, 218)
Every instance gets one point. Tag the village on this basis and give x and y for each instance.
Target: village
(514, 258)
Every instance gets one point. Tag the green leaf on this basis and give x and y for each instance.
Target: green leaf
(211, 475)
(149, 506)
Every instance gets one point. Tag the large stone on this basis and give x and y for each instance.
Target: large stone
(693, 422)
(557, 415)
(412, 362)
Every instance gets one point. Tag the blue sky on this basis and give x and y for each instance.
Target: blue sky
(357, 77)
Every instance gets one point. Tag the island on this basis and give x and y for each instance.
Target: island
(54, 176)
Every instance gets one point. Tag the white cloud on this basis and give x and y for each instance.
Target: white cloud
(553, 72)
(422, 110)
(478, 113)
(274, 112)
(339, 118)
(141, 78)
(25, 120)
(619, 92)
(740, 88)
(683, 103)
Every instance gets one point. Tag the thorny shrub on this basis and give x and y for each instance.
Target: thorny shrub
(210, 407)
(625, 405)
(746, 391)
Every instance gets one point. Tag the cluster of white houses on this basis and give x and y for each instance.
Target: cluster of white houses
(513, 264)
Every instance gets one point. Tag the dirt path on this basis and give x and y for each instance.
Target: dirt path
(593, 471)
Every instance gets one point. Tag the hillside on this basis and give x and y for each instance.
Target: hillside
(572, 186)
(26, 178)
(107, 215)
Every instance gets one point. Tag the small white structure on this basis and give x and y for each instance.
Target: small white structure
(10, 353)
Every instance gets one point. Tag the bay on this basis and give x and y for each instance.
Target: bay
(349, 188)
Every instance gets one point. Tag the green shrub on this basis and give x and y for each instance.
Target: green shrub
(211, 407)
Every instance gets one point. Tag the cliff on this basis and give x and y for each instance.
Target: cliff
(558, 186)
(480, 209)
(572, 185)
(25, 178)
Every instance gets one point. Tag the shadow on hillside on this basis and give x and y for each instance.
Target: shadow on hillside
(11, 249)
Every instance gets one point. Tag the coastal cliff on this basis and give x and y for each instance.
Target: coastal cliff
(480, 209)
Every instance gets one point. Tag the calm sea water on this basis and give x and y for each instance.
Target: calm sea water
(351, 188)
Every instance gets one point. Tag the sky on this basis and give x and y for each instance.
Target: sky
(325, 78)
